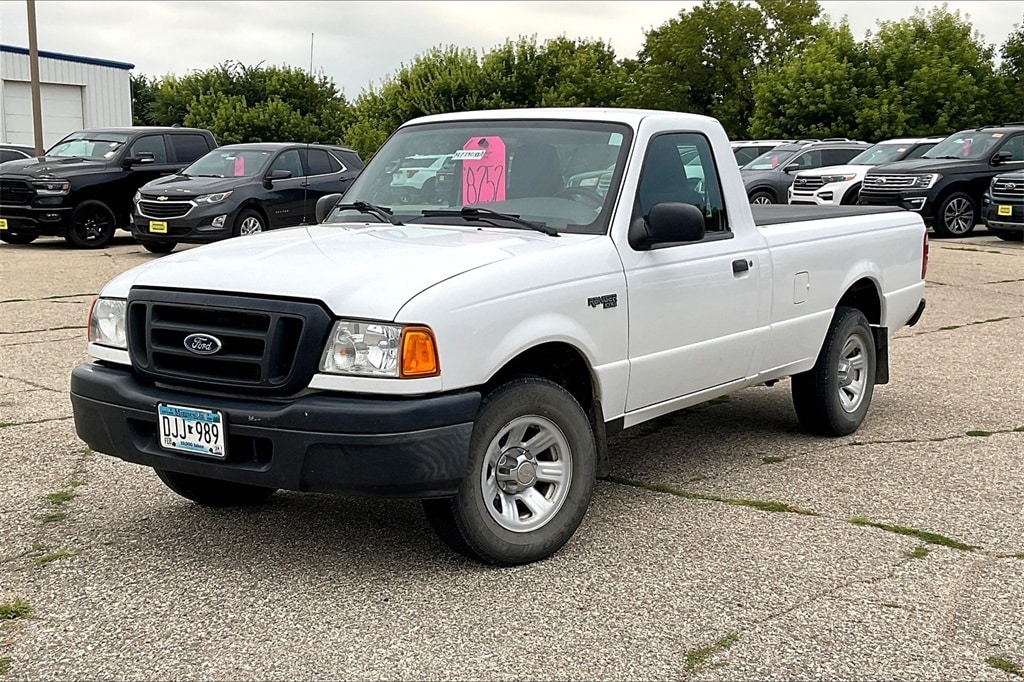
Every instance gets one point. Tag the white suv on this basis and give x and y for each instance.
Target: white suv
(836, 185)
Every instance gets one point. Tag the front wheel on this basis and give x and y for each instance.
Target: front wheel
(531, 474)
(159, 247)
(210, 492)
(761, 198)
(249, 222)
(956, 216)
(832, 398)
(92, 225)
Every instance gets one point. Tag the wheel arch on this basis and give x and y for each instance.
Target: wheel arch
(253, 204)
(865, 295)
(766, 189)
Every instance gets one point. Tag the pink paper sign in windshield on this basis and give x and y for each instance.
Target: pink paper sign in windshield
(483, 170)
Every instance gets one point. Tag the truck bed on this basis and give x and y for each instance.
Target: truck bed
(779, 214)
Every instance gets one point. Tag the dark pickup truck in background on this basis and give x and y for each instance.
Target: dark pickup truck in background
(947, 185)
(82, 188)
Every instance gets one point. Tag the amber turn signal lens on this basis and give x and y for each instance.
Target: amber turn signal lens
(419, 353)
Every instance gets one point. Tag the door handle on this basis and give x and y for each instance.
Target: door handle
(741, 265)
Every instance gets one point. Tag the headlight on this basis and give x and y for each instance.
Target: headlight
(51, 188)
(212, 198)
(829, 179)
(380, 350)
(926, 181)
(107, 322)
(137, 198)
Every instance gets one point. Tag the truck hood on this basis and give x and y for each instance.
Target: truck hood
(362, 270)
(43, 167)
(858, 170)
(912, 166)
(180, 186)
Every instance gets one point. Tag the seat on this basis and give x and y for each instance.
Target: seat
(534, 172)
(664, 178)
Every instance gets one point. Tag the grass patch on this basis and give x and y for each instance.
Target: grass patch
(981, 434)
(10, 610)
(891, 605)
(54, 517)
(74, 483)
(1019, 429)
(719, 400)
(922, 535)
(949, 327)
(919, 552)
(4, 425)
(38, 546)
(696, 658)
(1005, 664)
(5, 664)
(55, 555)
(773, 460)
(59, 498)
(763, 505)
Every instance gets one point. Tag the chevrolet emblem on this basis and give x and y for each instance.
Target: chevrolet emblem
(161, 198)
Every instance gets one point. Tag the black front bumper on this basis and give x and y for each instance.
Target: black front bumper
(196, 227)
(351, 444)
(36, 220)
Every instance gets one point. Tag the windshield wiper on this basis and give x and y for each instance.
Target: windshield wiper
(946, 157)
(203, 175)
(477, 213)
(383, 213)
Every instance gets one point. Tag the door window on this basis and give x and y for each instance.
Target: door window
(290, 161)
(317, 162)
(838, 157)
(1015, 145)
(679, 167)
(153, 144)
(188, 147)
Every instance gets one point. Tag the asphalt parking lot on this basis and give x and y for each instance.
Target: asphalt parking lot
(725, 545)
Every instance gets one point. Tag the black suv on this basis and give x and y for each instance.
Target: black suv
(241, 189)
(947, 184)
(768, 177)
(82, 188)
(1002, 207)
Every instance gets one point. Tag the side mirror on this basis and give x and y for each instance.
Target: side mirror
(324, 205)
(671, 222)
(142, 159)
(1000, 158)
(276, 175)
(791, 168)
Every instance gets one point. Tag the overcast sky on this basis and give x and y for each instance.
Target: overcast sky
(359, 43)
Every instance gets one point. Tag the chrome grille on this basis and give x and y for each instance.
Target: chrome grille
(807, 184)
(888, 183)
(15, 192)
(164, 209)
(267, 346)
(1008, 189)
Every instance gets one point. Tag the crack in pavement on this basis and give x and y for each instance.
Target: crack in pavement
(936, 439)
(45, 298)
(31, 383)
(39, 331)
(5, 425)
(32, 343)
(953, 327)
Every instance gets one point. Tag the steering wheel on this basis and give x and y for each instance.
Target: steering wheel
(582, 192)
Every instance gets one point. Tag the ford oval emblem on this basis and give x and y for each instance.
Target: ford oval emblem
(203, 344)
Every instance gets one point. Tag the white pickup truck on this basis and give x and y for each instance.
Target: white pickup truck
(478, 345)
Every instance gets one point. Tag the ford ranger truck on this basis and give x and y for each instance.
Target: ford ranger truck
(478, 350)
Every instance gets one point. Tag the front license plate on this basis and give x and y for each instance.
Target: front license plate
(1005, 210)
(158, 226)
(192, 430)
(3, 224)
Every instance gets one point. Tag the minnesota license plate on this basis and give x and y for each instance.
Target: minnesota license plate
(192, 430)
(158, 226)
(1005, 210)
(3, 224)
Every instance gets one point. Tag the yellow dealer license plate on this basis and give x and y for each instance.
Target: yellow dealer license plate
(3, 224)
(158, 226)
(1005, 210)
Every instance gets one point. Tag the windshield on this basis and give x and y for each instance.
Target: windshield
(228, 163)
(93, 146)
(882, 152)
(971, 144)
(771, 160)
(559, 174)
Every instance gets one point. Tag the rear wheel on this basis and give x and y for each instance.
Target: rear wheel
(15, 238)
(249, 222)
(211, 492)
(159, 247)
(1008, 235)
(761, 198)
(530, 478)
(92, 225)
(956, 216)
(832, 398)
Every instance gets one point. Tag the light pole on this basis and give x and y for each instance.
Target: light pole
(33, 65)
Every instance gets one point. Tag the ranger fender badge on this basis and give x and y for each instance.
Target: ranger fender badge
(202, 344)
(606, 301)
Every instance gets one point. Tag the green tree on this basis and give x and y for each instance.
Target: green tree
(1011, 73)
(704, 60)
(817, 92)
(142, 89)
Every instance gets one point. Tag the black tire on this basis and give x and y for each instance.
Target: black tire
(211, 492)
(762, 197)
(159, 247)
(828, 400)
(1007, 235)
(92, 225)
(533, 409)
(249, 222)
(15, 238)
(953, 215)
(852, 196)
